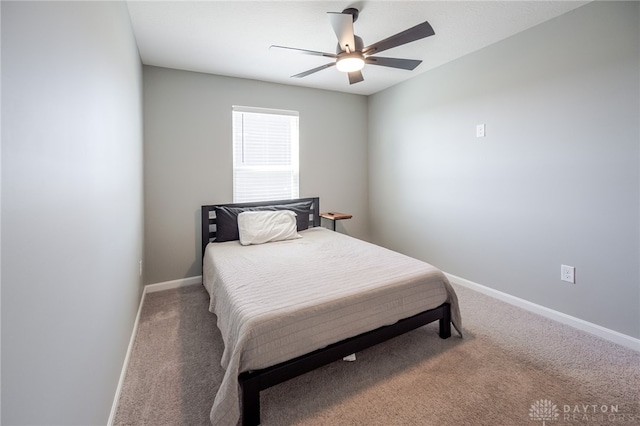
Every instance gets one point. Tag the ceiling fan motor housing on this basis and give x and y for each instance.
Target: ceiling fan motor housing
(353, 12)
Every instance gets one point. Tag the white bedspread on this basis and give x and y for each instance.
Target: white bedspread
(279, 300)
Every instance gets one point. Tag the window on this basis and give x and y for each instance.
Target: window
(265, 154)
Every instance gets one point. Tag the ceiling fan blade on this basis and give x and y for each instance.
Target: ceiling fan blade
(355, 77)
(405, 64)
(342, 24)
(304, 51)
(311, 71)
(407, 36)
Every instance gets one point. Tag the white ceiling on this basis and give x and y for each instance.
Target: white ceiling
(232, 38)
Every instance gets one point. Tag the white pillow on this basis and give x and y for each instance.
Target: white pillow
(258, 227)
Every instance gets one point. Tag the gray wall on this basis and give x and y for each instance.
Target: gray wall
(71, 208)
(555, 181)
(188, 157)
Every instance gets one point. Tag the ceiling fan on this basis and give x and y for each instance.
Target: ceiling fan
(351, 55)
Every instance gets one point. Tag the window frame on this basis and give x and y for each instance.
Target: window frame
(240, 194)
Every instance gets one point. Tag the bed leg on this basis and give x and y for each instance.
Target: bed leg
(250, 401)
(445, 322)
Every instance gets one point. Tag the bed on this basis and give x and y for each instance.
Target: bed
(288, 306)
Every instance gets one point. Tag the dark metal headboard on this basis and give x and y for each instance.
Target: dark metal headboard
(209, 216)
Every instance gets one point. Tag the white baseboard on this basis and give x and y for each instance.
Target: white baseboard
(149, 288)
(605, 333)
(167, 285)
(116, 399)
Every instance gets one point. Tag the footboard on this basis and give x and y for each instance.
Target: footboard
(252, 382)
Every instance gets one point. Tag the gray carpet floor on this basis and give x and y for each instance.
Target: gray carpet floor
(512, 368)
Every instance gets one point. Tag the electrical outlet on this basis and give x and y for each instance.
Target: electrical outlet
(480, 131)
(568, 274)
(140, 271)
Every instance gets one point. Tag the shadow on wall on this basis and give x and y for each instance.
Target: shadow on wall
(196, 267)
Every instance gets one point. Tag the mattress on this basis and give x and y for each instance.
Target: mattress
(280, 300)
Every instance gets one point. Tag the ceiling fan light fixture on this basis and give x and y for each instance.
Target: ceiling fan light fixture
(351, 54)
(350, 62)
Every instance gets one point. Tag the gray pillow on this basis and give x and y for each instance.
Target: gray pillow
(227, 218)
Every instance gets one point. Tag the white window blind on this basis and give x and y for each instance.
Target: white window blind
(265, 154)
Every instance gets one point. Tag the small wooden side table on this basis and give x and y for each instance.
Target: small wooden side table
(333, 216)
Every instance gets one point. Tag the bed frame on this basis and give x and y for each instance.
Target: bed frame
(252, 382)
